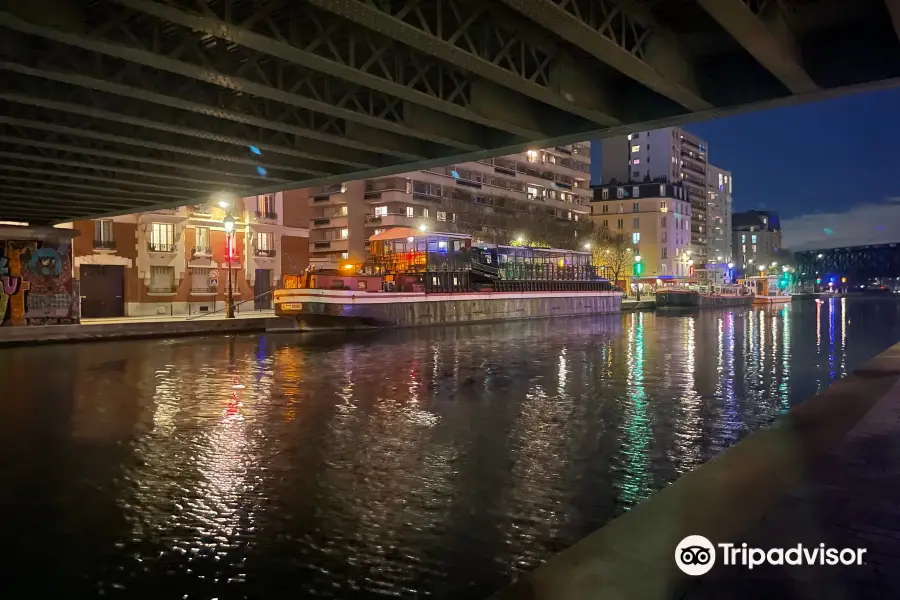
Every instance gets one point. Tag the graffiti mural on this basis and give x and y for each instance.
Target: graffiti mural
(36, 286)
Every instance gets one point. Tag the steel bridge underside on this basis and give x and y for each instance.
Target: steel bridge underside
(857, 263)
(117, 106)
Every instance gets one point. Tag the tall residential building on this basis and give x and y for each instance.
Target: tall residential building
(718, 214)
(174, 262)
(668, 155)
(539, 195)
(655, 218)
(756, 240)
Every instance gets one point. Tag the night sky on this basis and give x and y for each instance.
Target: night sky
(821, 165)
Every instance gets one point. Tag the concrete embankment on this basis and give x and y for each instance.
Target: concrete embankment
(633, 556)
(633, 305)
(143, 328)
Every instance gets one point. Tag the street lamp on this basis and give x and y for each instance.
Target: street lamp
(423, 228)
(228, 222)
(587, 246)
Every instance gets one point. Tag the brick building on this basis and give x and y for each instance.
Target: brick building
(174, 262)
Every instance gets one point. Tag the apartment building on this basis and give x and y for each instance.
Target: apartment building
(540, 195)
(175, 262)
(663, 155)
(718, 214)
(756, 240)
(656, 220)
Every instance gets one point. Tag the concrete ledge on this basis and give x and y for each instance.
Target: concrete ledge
(20, 336)
(633, 555)
(634, 305)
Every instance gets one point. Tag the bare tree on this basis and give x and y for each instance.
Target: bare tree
(612, 253)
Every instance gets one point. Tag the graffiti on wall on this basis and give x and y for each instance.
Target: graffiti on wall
(36, 285)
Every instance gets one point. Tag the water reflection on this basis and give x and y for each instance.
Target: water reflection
(424, 463)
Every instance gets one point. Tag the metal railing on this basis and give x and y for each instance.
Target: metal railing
(268, 216)
(265, 252)
(201, 251)
(161, 290)
(104, 244)
(237, 306)
(157, 247)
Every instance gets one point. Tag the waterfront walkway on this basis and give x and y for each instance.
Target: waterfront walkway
(147, 327)
(827, 472)
(851, 499)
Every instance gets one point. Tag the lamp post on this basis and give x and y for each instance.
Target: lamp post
(229, 236)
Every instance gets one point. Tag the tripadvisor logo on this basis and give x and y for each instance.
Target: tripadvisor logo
(695, 555)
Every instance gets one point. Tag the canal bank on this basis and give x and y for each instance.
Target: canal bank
(826, 471)
(145, 327)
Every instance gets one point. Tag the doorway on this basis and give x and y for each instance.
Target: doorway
(262, 289)
(102, 291)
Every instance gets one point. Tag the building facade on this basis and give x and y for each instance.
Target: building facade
(664, 155)
(718, 214)
(756, 240)
(540, 195)
(175, 262)
(654, 218)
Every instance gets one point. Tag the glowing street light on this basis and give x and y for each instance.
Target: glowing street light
(818, 255)
(228, 223)
(637, 258)
(520, 240)
(587, 246)
(730, 265)
(423, 228)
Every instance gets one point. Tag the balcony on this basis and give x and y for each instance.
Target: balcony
(392, 220)
(200, 210)
(204, 291)
(204, 251)
(328, 246)
(270, 217)
(108, 245)
(167, 289)
(326, 222)
(158, 247)
(264, 252)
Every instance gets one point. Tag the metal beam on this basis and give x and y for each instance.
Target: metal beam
(86, 177)
(120, 156)
(415, 141)
(358, 152)
(97, 166)
(146, 143)
(343, 64)
(55, 204)
(454, 44)
(43, 184)
(760, 28)
(88, 111)
(631, 43)
(77, 196)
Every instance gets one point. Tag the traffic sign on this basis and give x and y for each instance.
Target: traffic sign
(213, 283)
(214, 274)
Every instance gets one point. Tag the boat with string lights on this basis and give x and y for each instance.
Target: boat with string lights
(414, 278)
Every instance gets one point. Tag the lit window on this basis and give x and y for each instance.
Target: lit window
(345, 255)
(345, 233)
(753, 239)
(662, 190)
(635, 148)
(662, 206)
(754, 248)
(635, 191)
(425, 212)
(381, 211)
(743, 238)
(636, 161)
(441, 216)
(532, 155)
(635, 237)
(620, 193)
(409, 211)
(604, 194)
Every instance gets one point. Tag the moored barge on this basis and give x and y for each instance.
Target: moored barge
(696, 299)
(413, 278)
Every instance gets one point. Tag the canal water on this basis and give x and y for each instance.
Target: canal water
(431, 463)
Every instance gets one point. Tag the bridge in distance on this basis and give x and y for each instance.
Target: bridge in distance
(116, 106)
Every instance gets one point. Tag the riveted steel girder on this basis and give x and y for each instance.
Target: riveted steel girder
(88, 177)
(332, 139)
(296, 33)
(624, 37)
(759, 26)
(93, 130)
(216, 62)
(104, 164)
(463, 34)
